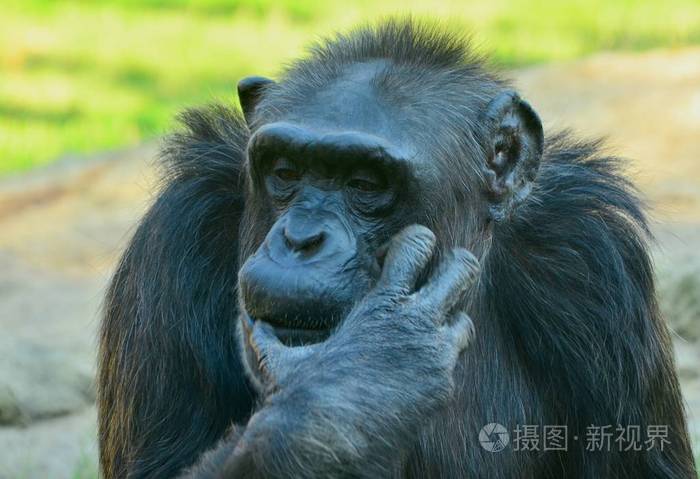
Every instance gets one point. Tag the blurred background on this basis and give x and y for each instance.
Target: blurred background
(88, 87)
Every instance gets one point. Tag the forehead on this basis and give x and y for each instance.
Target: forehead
(352, 102)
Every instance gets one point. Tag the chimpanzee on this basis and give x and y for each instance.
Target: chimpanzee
(377, 260)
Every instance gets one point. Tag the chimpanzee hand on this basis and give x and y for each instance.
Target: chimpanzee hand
(362, 395)
(392, 322)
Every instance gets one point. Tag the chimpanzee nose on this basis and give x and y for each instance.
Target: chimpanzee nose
(303, 239)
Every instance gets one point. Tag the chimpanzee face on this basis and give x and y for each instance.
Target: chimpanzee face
(337, 174)
(335, 177)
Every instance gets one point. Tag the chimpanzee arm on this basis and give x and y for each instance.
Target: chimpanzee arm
(353, 405)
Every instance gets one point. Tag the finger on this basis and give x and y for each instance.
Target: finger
(268, 348)
(461, 331)
(408, 254)
(264, 340)
(275, 359)
(453, 276)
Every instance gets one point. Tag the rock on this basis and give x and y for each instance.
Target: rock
(62, 229)
(47, 346)
(38, 382)
(59, 448)
(10, 410)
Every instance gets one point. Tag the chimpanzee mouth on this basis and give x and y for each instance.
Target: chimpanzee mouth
(299, 337)
(312, 332)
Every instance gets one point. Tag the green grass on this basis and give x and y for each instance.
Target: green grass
(78, 77)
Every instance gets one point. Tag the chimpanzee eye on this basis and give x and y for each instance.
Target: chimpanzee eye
(287, 174)
(363, 185)
(367, 183)
(285, 170)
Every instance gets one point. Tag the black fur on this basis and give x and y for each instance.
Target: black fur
(567, 330)
(168, 346)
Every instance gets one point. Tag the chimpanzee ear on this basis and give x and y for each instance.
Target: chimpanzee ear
(514, 152)
(250, 90)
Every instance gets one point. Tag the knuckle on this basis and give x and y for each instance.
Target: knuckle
(418, 237)
(393, 298)
(389, 295)
(420, 230)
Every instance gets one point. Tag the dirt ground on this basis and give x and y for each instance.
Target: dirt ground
(63, 227)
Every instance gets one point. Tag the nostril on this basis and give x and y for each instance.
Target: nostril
(287, 242)
(304, 243)
(315, 241)
(380, 256)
